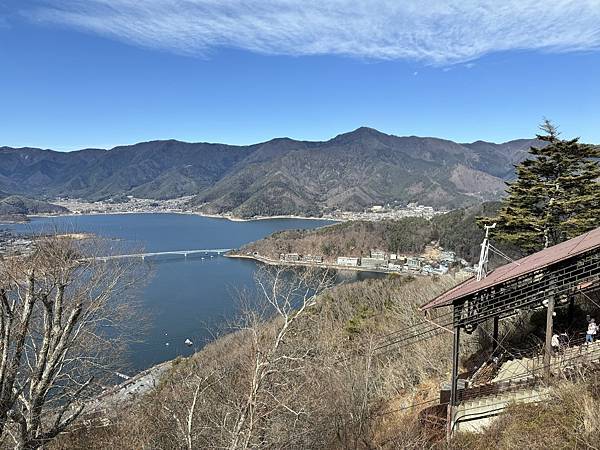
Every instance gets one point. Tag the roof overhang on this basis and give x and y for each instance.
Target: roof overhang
(572, 248)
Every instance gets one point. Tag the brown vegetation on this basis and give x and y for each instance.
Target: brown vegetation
(569, 419)
(308, 368)
(308, 375)
(347, 238)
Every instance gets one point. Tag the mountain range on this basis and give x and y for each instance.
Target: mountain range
(282, 176)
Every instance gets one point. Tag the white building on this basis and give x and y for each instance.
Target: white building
(448, 256)
(373, 263)
(378, 254)
(413, 264)
(441, 270)
(313, 259)
(291, 257)
(347, 261)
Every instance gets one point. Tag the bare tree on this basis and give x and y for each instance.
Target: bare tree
(183, 414)
(57, 313)
(286, 294)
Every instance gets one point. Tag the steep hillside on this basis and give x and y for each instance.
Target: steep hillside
(32, 171)
(282, 176)
(455, 231)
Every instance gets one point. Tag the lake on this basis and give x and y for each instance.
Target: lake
(185, 298)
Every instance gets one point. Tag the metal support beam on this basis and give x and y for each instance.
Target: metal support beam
(495, 334)
(454, 380)
(549, 328)
(455, 362)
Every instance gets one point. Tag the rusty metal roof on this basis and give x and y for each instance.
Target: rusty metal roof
(551, 255)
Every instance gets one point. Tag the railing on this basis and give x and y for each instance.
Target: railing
(534, 375)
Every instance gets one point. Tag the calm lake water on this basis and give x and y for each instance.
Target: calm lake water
(184, 299)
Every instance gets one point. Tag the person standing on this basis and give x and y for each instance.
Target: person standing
(555, 344)
(591, 332)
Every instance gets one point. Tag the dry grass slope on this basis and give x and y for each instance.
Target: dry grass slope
(325, 388)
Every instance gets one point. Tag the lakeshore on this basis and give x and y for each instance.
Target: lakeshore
(181, 206)
(229, 217)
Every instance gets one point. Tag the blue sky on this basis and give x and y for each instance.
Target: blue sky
(99, 73)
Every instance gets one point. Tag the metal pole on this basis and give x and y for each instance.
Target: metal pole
(495, 335)
(454, 380)
(549, 326)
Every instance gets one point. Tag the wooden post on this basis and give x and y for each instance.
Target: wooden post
(549, 326)
(495, 335)
(454, 380)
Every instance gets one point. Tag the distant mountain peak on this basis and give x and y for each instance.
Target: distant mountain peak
(367, 130)
(360, 133)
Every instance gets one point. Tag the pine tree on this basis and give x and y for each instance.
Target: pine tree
(555, 197)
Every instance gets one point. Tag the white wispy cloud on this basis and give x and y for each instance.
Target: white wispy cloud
(438, 32)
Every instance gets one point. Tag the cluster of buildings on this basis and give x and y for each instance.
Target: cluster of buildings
(14, 244)
(125, 204)
(386, 212)
(131, 204)
(379, 260)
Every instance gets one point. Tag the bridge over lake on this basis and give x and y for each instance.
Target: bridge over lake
(185, 253)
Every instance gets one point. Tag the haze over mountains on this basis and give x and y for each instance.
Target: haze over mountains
(282, 176)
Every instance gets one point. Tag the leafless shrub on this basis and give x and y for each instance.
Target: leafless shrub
(58, 313)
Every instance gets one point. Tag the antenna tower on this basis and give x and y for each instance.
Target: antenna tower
(483, 256)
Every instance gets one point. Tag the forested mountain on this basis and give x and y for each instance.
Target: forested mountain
(281, 176)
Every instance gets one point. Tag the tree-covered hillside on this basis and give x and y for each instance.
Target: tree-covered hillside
(282, 176)
(455, 231)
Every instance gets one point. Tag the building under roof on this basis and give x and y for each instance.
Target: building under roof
(551, 276)
(543, 259)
